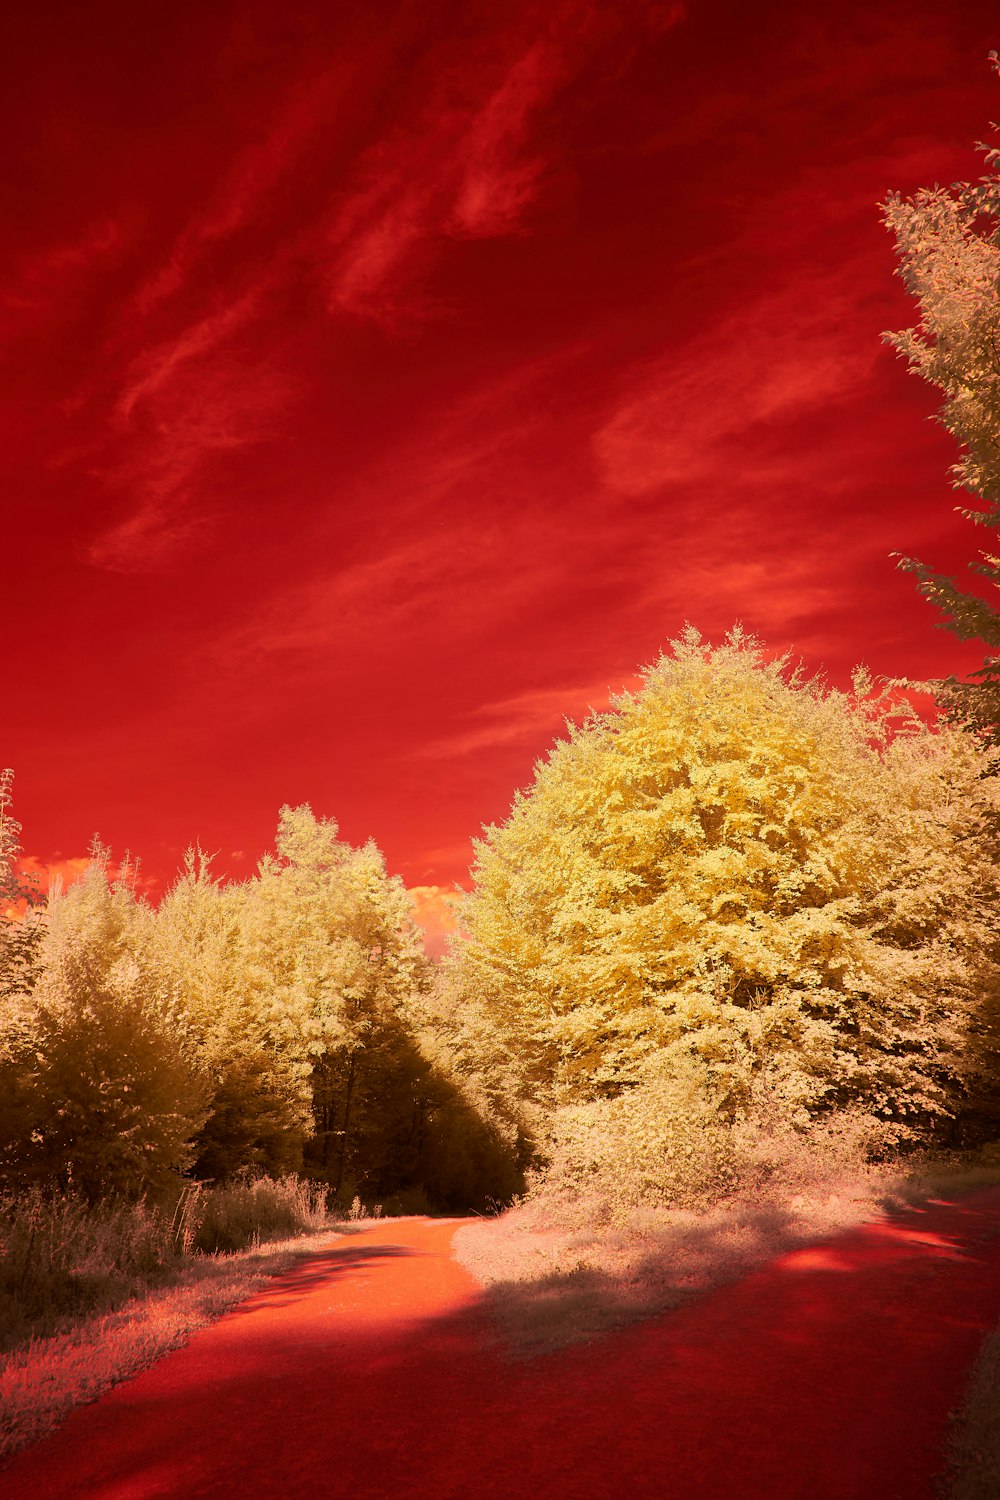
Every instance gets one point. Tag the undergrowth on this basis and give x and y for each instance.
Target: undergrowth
(562, 1267)
(254, 1209)
(44, 1379)
(63, 1260)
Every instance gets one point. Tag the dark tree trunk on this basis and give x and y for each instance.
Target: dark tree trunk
(347, 1122)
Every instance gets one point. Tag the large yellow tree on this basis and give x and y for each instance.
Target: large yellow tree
(738, 879)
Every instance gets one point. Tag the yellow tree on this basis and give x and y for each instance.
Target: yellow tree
(735, 882)
(346, 965)
(299, 985)
(259, 1114)
(104, 1071)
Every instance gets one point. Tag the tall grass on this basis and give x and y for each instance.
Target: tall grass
(43, 1380)
(247, 1211)
(62, 1260)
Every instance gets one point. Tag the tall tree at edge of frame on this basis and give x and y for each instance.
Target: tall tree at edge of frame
(948, 242)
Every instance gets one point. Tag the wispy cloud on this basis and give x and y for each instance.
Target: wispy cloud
(206, 386)
(153, 370)
(209, 386)
(470, 168)
(498, 172)
(463, 171)
(709, 408)
(523, 719)
(47, 284)
(333, 610)
(250, 182)
(418, 577)
(422, 590)
(330, 210)
(183, 404)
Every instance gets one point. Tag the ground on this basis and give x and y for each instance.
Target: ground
(374, 1369)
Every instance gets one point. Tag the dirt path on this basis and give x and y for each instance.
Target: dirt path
(369, 1371)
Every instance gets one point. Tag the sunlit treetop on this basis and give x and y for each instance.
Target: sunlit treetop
(739, 865)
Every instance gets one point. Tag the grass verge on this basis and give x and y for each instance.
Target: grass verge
(63, 1259)
(974, 1440)
(549, 1286)
(41, 1382)
(551, 1283)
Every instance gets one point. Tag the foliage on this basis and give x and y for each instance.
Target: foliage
(104, 1092)
(63, 1258)
(258, 1109)
(948, 242)
(349, 961)
(297, 983)
(255, 1120)
(738, 885)
(242, 1027)
(20, 925)
(664, 1145)
(250, 1208)
(306, 991)
(660, 1142)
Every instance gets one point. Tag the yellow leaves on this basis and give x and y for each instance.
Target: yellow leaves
(734, 855)
(294, 963)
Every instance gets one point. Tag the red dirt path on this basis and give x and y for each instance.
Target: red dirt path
(369, 1371)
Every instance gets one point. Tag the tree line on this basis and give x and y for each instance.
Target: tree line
(272, 1025)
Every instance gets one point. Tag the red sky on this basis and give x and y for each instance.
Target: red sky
(386, 382)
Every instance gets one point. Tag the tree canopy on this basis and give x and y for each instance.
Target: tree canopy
(274, 1024)
(742, 879)
(103, 1089)
(948, 242)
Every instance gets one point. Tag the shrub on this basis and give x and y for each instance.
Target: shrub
(662, 1145)
(249, 1209)
(102, 1093)
(116, 1102)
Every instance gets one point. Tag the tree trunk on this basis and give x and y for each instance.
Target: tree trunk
(347, 1121)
